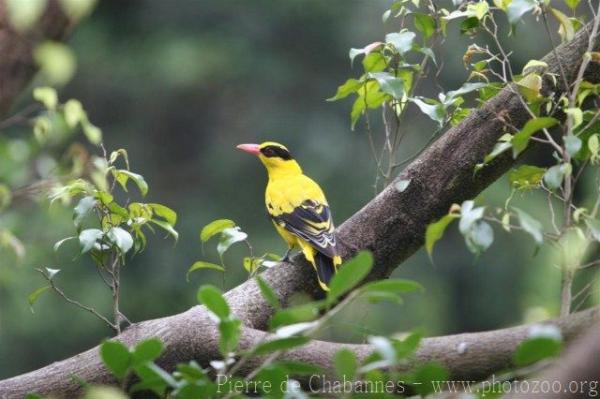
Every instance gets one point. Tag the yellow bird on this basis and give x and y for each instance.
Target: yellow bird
(298, 209)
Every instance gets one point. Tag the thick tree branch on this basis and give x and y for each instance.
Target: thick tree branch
(392, 226)
(17, 66)
(468, 356)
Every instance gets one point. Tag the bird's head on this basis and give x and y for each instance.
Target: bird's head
(276, 157)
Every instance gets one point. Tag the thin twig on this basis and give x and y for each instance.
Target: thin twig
(74, 302)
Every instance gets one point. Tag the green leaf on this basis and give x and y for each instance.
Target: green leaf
(469, 24)
(279, 345)
(555, 175)
(9, 241)
(499, 148)
(23, 15)
(479, 237)
(469, 215)
(121, 238)
(354, 52)
(428, 52)
(433, 109)
(533, 65)
(350, 274)
(502, 4)
(530, 87)
(251, 264)
(103, 392)
(464, 89)
(572, 4)
(88, 238)
(393, 285)
(116, 357)
(349, 87)
(35, 296)
(199, 265)
(268, 293)
(153, 378)
(123, 177)
(104, 197)
(594, 226)
(425, 23)
(358, 107)
(5, 196)
(402, 41)
(593, 145)
(388, 83)
(211, 297)
(50, 273)
(572, 144)
(230, 236)
(369, 96)
(345, 364)
(384, 348)
(92, 132)
(58, 244)
(435, 231)
(521, 139)
(277, 378)
(478, 10)
(74, 113)
(229, 335)
(535, 349)
(566, 30)
(526, 177)
(121, 152)
(422, 379)
(408, 345)
(147, 351)
(77, 9)
(530, 225)
(295, 314)
(167, 227)
(518, 8)
(84, 206)
(215, 227)
(47, 96)
(299, 368)
(374, 62)
(118, 210)
(295, 329)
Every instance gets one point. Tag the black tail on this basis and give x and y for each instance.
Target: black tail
(325, 269)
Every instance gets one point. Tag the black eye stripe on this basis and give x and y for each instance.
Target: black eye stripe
(275, 151)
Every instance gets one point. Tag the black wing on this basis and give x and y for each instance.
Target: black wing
(312, 222)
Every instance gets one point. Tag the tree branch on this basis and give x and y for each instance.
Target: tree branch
(197, 338)
(392, 226)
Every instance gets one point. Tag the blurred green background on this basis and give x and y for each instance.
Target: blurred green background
(179, 84)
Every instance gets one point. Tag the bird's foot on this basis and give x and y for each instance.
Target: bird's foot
(286, 257)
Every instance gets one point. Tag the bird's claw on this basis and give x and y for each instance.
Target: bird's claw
(286, 257)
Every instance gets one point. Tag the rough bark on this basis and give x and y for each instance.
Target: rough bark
(17, 66)
(468, 356)
(392, 226)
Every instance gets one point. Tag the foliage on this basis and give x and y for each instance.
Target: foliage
(574, 146)
(107, 231)
(110, 227)
(292, 327)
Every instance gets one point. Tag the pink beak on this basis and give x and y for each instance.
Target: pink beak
(253, 149)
